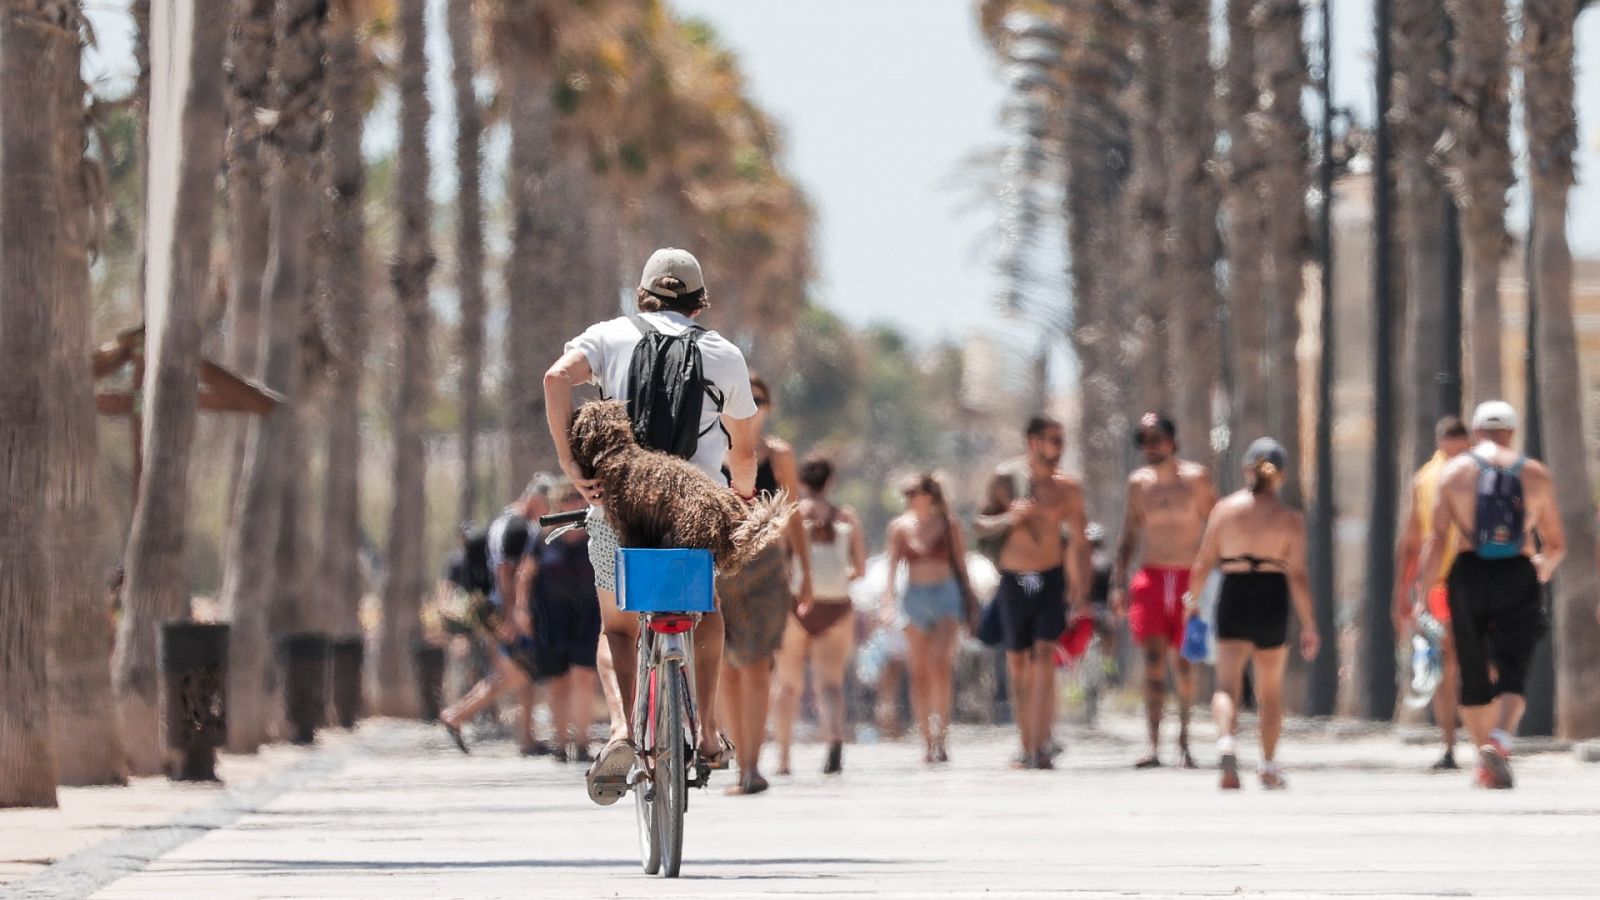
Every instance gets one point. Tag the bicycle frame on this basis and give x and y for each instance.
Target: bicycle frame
(663, 640)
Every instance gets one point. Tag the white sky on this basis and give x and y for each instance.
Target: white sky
(880, 101)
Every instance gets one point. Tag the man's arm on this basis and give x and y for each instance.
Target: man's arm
(1127, 544)
(1205, 491)
(1552, 534)
(571, 370)
(1300, 591)
(1407, 550)
(519, 601)
(743, 436)
(858, 543)
(999, 513)
(1436, 542)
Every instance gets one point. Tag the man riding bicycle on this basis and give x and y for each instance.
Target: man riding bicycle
(671, 296)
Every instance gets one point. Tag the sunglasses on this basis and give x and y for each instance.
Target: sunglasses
(762, 402)
(1149, 440)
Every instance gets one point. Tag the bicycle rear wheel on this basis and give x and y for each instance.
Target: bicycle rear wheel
(672, 766)
(647, 794)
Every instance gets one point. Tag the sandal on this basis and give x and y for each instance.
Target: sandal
(749, 787)
(1188, 760)
(719, 761)
(607, 779)
(455, 735)
(1149, 762)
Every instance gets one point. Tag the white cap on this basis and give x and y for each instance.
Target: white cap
(1494, 415)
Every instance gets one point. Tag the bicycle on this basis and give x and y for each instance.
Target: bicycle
(670, 590)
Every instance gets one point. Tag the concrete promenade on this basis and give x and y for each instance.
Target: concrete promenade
(395, 811)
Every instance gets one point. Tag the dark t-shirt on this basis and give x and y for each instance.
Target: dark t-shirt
(508, 543)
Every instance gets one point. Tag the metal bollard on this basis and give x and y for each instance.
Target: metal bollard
(194, 720)
(429, 661)
(304, 656)
(348, 655)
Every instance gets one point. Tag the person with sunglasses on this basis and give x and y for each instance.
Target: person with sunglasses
(1169, 500)
(1036, 515)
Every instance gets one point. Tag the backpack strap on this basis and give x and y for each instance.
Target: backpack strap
(1516, 467)
(643, 324)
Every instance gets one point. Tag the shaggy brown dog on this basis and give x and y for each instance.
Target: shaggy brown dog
(655, 500)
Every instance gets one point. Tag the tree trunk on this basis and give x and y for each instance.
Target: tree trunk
(1244, 247)
(32, 64)
(249, 59)
(249, 579)
(1192, 198)
(340, 580)
(1551, 125)
(396, 691)
(87, 749)
(185, 155)
(1418, 123)
(528, 330)
(469, 246)
(1145, 212)
(1478, 154)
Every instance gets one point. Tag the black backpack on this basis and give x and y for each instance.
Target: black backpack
(475, 575)
(1498, 530)
(667, 389)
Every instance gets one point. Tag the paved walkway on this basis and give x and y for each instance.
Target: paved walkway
(405, 815)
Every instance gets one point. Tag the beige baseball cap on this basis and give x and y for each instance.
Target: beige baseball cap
(675, 263)
(1494, 415)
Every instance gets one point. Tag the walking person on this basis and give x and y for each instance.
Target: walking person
(566, 630)
(936, 601)
(1508, 540)
(822, 631)
(672, 296)
(1169, 500)
(757, 602)
(1259, 543)
(1036, 514)
(1451, 440)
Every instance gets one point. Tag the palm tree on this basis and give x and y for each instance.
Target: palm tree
(1550, 120)
(87, 748)
(1146, 197)
(33, 59)
(469, 243)
(413, 262)
(180, 203)
(1284, 138)
(349, 81)
(1192, 198)
(249, 58)
(248, 584)
(1478, 156)
(1417, 122)
(1245, 240)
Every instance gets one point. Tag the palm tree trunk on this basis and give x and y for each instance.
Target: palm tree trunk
(1551, 124)
(87, 748)
(396, 693)
(32, 64)
(1285, 139)
(532, 161)
(1146, 213)
(180, 201)
(1192, 198)
(469, 245)
(248, 584)
(340, 579)
(249, 58)
(1243, 208)
(1478, 154)
(1421, 74)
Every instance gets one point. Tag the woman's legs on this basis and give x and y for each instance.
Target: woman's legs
(1269, 667)
(942, 689)
(919, 660)
(1231, 659)
(791, 684)
(830, 657)
(584, 682)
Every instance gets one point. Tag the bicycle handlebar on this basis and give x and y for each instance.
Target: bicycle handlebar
(572, 517)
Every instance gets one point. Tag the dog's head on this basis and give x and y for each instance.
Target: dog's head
(599, 430)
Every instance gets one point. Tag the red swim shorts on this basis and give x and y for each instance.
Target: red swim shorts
(1155, 604)
(1439, 603)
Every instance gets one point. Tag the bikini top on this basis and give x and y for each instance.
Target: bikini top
(938, 550)
(1254, 562)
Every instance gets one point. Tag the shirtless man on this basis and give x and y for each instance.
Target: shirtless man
(1044, 567)
(1496, 499)
(1168, 502)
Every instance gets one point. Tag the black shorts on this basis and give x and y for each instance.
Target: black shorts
(566, 634)
(1254, 607)
(1033, 607)
(1497, 618)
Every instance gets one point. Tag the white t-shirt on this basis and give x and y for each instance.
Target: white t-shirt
(608, 346)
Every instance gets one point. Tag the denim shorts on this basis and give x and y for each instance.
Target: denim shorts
(924, 606)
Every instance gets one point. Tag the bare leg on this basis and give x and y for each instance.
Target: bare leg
(941, 678)
(919, 663)
(1269, 666)
(1448, 695)
(791, 683)
(708, 637)
(617, 659)
(559, 692)
(755, 693)
(1480, 720)
(888, 689)
(1019, 674)
(1231, 659)
(525, 700)
(507, 676)
(1508, 712)
(581, 700)
(1042, 669)
(729, 697)
(1183, 678)
(830, 653)
(1155, 690)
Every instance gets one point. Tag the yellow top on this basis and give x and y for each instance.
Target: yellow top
(1427, 496)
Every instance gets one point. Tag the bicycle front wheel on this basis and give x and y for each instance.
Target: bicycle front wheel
(672, 765)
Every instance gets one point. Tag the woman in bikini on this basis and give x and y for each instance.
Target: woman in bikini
(933, 606)
(1259, 544)
(824, 629)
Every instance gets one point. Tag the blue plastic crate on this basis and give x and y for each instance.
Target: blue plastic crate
(665, 581)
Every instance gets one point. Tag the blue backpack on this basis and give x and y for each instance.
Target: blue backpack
(1498, 532)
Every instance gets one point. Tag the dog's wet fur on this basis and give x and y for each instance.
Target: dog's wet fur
(655, 500)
